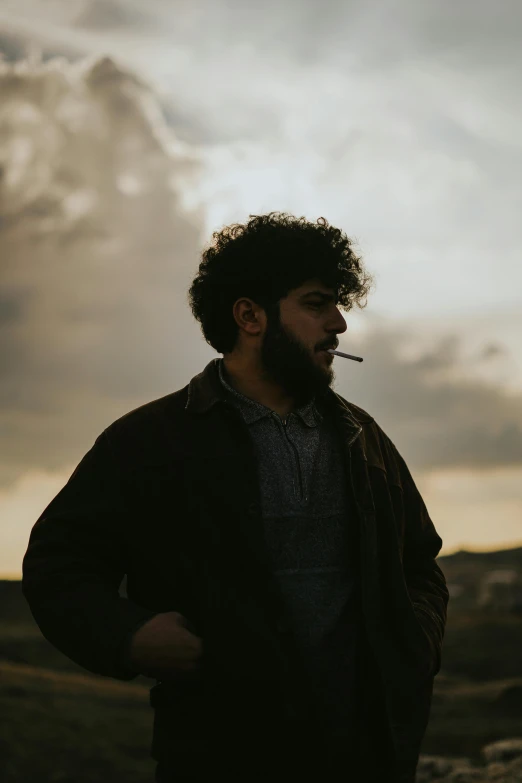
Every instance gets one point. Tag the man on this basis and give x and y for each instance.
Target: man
(282, 583)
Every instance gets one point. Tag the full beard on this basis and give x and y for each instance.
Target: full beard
(287, 362)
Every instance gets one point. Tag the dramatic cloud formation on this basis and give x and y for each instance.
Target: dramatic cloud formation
(96, 256)
(400, 122)
(99, 257)
(438, 417)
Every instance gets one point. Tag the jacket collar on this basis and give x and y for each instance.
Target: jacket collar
(206, 390)
(253, 411)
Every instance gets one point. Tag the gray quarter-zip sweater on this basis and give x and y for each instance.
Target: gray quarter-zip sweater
(309, 536)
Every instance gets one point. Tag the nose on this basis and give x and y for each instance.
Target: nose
(338, 327)
(340, 324)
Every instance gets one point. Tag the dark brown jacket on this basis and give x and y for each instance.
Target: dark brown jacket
(169, 496)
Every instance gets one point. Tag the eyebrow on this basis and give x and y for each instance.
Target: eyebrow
(326, 297)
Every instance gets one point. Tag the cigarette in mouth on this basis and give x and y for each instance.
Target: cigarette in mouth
(346, 355)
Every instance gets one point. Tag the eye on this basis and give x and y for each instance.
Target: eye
(315, 305)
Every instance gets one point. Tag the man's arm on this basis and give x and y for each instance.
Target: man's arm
(424, 578)
(75, 563)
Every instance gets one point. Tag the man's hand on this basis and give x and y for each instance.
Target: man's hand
(164, 649)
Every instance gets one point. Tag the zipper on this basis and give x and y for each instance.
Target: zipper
(285, 421)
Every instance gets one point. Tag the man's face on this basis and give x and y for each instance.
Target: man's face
(292, 351)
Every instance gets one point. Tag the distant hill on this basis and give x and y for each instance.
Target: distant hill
(463, 568)
(479, 645)
(466, 570)
(510, 558)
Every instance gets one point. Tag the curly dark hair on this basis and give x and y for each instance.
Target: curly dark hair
(264, 260)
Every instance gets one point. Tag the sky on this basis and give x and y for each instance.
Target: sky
(130, 131)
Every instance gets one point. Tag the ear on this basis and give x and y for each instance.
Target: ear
(249, 316)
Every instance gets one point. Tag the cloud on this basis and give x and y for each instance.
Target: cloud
(432, 405)
(492, 350)
(396, 121)
(97, 254)
(109, 15)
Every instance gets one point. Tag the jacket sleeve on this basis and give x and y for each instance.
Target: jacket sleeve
(75, 563)
(424, 578)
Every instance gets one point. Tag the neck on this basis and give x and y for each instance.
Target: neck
(246, 376)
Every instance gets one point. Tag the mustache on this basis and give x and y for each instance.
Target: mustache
(329, 345)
